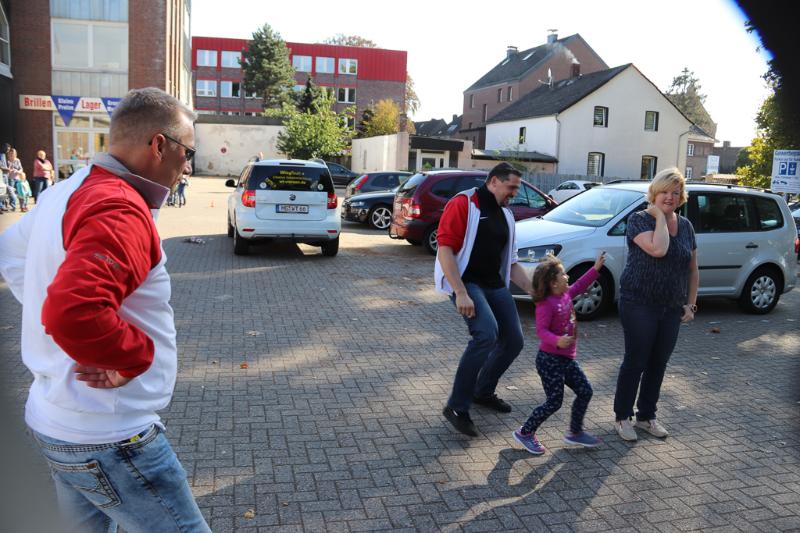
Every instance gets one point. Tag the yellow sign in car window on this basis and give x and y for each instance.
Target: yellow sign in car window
(286, 178)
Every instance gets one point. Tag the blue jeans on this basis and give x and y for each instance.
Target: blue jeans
(556, 371)
(139, 486)
(38, 186)
(651, 332)
(496, 342)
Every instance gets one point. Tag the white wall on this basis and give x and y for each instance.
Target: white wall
(240, 142)
(540, 135)
(624, 141)
(383, 152)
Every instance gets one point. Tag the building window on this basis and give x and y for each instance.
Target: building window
(206, 88)
(98, 46)
(348, 66)
(651, 121)
(251, 94)
(472, 101)
(251, 114)
(299, 88)
(510, 94)
(324, 65)
(206, 58)
(5, 44)
(600, 116)
(301, 63)
(691, 149)
(230, 89)
(596, 163)
(347, 95)
(205, 112)
(485, 112)
(648, 166)
(231, 59)
(499, 95)
(522, 133)
(688, 172)
(351, 124)
(469, 126)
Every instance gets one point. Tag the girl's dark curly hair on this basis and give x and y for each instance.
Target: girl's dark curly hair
(543, 277)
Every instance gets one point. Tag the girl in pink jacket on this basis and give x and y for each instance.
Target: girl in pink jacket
(555, 362)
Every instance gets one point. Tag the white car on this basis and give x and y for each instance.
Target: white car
(570, 188)
(284, 199)
(745, 242)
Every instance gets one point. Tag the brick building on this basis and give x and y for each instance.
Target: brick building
(520, 73)
(79, 63)
(356, 76)
(728, 155)
(698, 147)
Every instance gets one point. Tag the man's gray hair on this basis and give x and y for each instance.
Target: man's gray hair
(146, 112)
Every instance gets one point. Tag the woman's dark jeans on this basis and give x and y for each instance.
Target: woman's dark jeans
(38, 186)
(651, 332)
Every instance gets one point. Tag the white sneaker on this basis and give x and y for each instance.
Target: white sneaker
(625, 430)
(653, 427)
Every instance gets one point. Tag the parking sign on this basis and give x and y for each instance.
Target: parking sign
(784, 171)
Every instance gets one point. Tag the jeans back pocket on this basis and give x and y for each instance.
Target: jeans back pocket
(88, 479)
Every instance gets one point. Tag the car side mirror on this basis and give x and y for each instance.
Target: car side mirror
(230, 183)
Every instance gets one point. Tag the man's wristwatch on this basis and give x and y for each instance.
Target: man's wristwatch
(693, 307)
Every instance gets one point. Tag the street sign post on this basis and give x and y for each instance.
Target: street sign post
(785, 176)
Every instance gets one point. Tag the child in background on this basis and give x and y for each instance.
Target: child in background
(555, 362)
(23, 191)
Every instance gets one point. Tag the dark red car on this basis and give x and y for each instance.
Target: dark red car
(420, 201)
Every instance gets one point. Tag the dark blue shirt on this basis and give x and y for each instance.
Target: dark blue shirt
(657, 280)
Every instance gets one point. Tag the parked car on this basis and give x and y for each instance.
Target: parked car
(795, 209)
(284, 199)
(376, 181)
(420, 201)
(373, 208)
(745, 242)
(341, 175)
(570, 188)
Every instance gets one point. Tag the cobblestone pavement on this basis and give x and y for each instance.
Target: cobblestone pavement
(310, 393)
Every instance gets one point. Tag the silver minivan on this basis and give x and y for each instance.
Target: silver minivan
(285, 199)
(745, 242)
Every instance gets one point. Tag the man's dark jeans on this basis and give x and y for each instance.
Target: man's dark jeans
(496, 342)
(651, 332)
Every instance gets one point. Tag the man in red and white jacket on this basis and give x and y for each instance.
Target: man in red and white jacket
(98, 333)
(476, 259)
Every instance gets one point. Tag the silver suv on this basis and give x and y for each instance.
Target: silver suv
(745, 242)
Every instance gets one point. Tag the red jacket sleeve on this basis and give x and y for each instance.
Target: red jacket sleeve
(111, 246)
(453, 224)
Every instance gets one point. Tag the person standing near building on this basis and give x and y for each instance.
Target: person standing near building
(42, 174)
(477, 258)
(10, 166)
(98, 333)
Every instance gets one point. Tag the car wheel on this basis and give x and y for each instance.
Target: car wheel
(241, 246)
(231, 229)
(414, 242)
(330, 248)
(596, 299)
(380, 217)
(761, 291)
(430, 241)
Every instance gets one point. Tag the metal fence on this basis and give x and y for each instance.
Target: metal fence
(546, 181)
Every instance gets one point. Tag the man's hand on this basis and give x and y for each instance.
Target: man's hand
(465, 305)
(99, 378)
(565, 341)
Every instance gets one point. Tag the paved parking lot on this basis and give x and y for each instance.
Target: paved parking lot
(310, 390)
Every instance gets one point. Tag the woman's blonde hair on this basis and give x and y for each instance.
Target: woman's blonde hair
(543, 277)
(666, 180)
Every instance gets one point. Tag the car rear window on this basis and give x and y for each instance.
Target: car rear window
(289, 178)
(407, 189)
(769, 214)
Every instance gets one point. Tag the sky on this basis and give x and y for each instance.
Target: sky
(451, 44)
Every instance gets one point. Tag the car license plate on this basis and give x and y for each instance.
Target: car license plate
(291, 208)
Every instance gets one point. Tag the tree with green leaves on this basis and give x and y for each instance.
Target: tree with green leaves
(320, 132)
(685, 94)
(266, 66)
(309, 98)
(385, 119)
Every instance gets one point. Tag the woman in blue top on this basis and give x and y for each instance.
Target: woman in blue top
(658, 291)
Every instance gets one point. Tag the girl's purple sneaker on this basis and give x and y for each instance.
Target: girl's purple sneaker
(530, 442)
(582, 438)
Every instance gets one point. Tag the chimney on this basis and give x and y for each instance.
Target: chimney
(726, 144)
(510, 51)
(552, 36)
(576, 68)
(454, 118)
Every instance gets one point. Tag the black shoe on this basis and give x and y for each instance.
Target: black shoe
(493, 402)
(461, 421)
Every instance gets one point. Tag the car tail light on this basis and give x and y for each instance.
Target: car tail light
(363, 179)
(414, 211)
(797, 245)
(249, 198)
(333, 201)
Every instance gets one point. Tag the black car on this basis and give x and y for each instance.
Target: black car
(373, 208)
(376, 181)
(341, 175)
